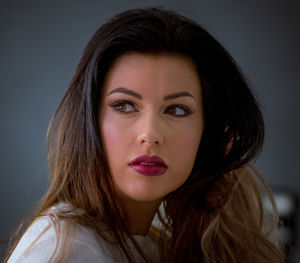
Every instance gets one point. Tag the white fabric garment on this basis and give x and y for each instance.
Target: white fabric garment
(87, 246)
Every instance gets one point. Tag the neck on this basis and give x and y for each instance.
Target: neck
(140, 215)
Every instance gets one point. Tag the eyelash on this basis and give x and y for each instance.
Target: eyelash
(120, 103)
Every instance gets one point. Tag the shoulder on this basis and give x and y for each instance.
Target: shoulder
(38, 233)
(41, 241)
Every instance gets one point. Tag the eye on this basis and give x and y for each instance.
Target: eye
(124, 106)
(178, 110)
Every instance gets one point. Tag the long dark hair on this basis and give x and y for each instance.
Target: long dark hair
(217, 215)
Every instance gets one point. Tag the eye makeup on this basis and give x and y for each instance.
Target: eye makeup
(127, 107)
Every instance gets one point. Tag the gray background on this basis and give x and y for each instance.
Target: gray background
(41, 43)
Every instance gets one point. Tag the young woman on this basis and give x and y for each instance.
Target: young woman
(158, 120)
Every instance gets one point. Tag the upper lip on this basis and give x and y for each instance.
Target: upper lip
(149, 159)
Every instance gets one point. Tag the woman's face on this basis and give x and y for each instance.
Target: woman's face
(151, 107)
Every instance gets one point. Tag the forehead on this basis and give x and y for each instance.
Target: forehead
(158, 74)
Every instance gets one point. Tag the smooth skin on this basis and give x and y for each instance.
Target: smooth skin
(150, 104)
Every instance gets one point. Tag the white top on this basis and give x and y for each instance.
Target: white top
(87, 246)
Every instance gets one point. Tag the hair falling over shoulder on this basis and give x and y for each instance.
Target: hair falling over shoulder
(217, 215)
(227, 224)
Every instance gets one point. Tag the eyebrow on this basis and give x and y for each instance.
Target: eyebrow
(138, 96)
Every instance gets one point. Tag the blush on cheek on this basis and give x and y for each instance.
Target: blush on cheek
(110, 133)
(108, 137)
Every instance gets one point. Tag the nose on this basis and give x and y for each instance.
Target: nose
(150, 131)
(146, 139)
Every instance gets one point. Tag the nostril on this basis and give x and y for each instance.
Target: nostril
(149, 139)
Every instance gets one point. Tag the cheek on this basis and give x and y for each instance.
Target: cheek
(111, 136)
(184, 144)
(109, 132)
(116, 136)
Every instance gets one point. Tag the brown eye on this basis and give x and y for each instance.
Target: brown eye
(178, 110)
(124, 106)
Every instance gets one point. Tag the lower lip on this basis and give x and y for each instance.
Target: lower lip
(148, 170)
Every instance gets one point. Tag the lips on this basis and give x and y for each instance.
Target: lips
(149, 165)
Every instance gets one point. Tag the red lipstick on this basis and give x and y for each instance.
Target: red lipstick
(149, 165)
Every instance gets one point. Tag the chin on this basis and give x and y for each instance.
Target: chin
(145, 196)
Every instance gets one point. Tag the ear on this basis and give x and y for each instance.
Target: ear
(228, 146)
(230, 143)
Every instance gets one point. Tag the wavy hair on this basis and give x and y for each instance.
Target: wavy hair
(217, 214)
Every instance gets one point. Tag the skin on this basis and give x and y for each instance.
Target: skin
(149, 124)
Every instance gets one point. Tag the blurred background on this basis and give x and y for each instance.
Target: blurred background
(42, 41)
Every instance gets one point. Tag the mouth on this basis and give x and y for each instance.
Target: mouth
(149, 165)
